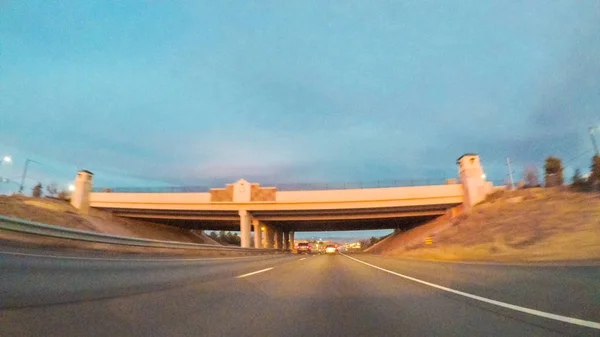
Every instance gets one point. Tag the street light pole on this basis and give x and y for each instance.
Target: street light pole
(25, 173)
(592, 130)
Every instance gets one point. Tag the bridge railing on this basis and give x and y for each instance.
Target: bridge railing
(283, 187)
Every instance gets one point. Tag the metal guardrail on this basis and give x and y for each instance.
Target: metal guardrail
(30, 227)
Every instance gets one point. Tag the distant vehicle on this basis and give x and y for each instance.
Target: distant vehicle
(303, 248)
(331, 249)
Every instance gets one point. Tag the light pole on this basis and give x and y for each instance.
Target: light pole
(592, 130)
(25, 173)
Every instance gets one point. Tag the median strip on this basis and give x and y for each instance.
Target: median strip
(255, 272)
(566, 319)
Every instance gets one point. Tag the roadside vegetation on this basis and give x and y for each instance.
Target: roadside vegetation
(553, 223)
(226, 238)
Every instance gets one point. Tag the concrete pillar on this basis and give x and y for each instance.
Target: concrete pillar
(278, 239)
(80, 198)
(257, 234)
(269, 242)
(292, 245)
(472, 178)
(286, 240)
(244, 228)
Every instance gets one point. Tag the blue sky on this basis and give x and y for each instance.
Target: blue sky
(150, 93)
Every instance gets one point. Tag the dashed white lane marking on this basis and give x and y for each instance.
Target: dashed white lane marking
(255, 272)
(303, 259)
(571, 320)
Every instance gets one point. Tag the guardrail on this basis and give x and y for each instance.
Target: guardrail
(30, 227)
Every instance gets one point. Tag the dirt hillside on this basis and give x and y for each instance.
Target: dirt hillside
(61, 213)
(524, 225)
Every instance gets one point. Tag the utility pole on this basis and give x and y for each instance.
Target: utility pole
(592, 130)
(510, 172)
(25, 173)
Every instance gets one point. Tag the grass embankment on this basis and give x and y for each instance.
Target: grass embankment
(512, 226)
(61, 213)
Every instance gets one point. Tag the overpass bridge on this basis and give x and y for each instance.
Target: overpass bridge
(276, 215)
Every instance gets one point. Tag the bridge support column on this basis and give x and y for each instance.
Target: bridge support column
(80, 198)
(244, 228)
(292, 245)
(269, 236)
(278, 239)
(286, 240)
(257, 234)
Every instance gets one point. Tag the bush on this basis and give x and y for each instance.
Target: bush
(553, 172)
(579, 183)
(494, 196)
(64, 195)
(36, 191)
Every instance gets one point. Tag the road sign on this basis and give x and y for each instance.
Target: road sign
(428, 241)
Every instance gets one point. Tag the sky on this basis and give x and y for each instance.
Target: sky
(164, 93)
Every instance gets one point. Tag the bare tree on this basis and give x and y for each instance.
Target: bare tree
(51, 190)
(530, 177)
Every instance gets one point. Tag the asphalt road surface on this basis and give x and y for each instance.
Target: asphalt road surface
(290, 295)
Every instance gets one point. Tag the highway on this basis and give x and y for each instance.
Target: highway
(53, 294)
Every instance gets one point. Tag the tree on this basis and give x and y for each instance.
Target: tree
(36, 191)
(530, 177)
(553, 172)
(226, 238)
(236, 240)
(595, 171)
(579, 183)
(577, 178)
(51, 190)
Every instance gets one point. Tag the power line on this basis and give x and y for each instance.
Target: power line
(578, 156)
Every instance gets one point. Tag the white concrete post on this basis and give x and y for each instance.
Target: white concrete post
(244, 228)
(475, 188)
(257, 234)
(80, 198)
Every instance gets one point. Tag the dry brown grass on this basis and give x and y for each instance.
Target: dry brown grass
(525, 225)
(61, 213)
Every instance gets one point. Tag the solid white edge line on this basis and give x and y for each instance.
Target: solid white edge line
(255, 272)
(126, 259)
(571, 320)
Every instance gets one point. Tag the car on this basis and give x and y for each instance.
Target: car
(331, 249)
(303, 248)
